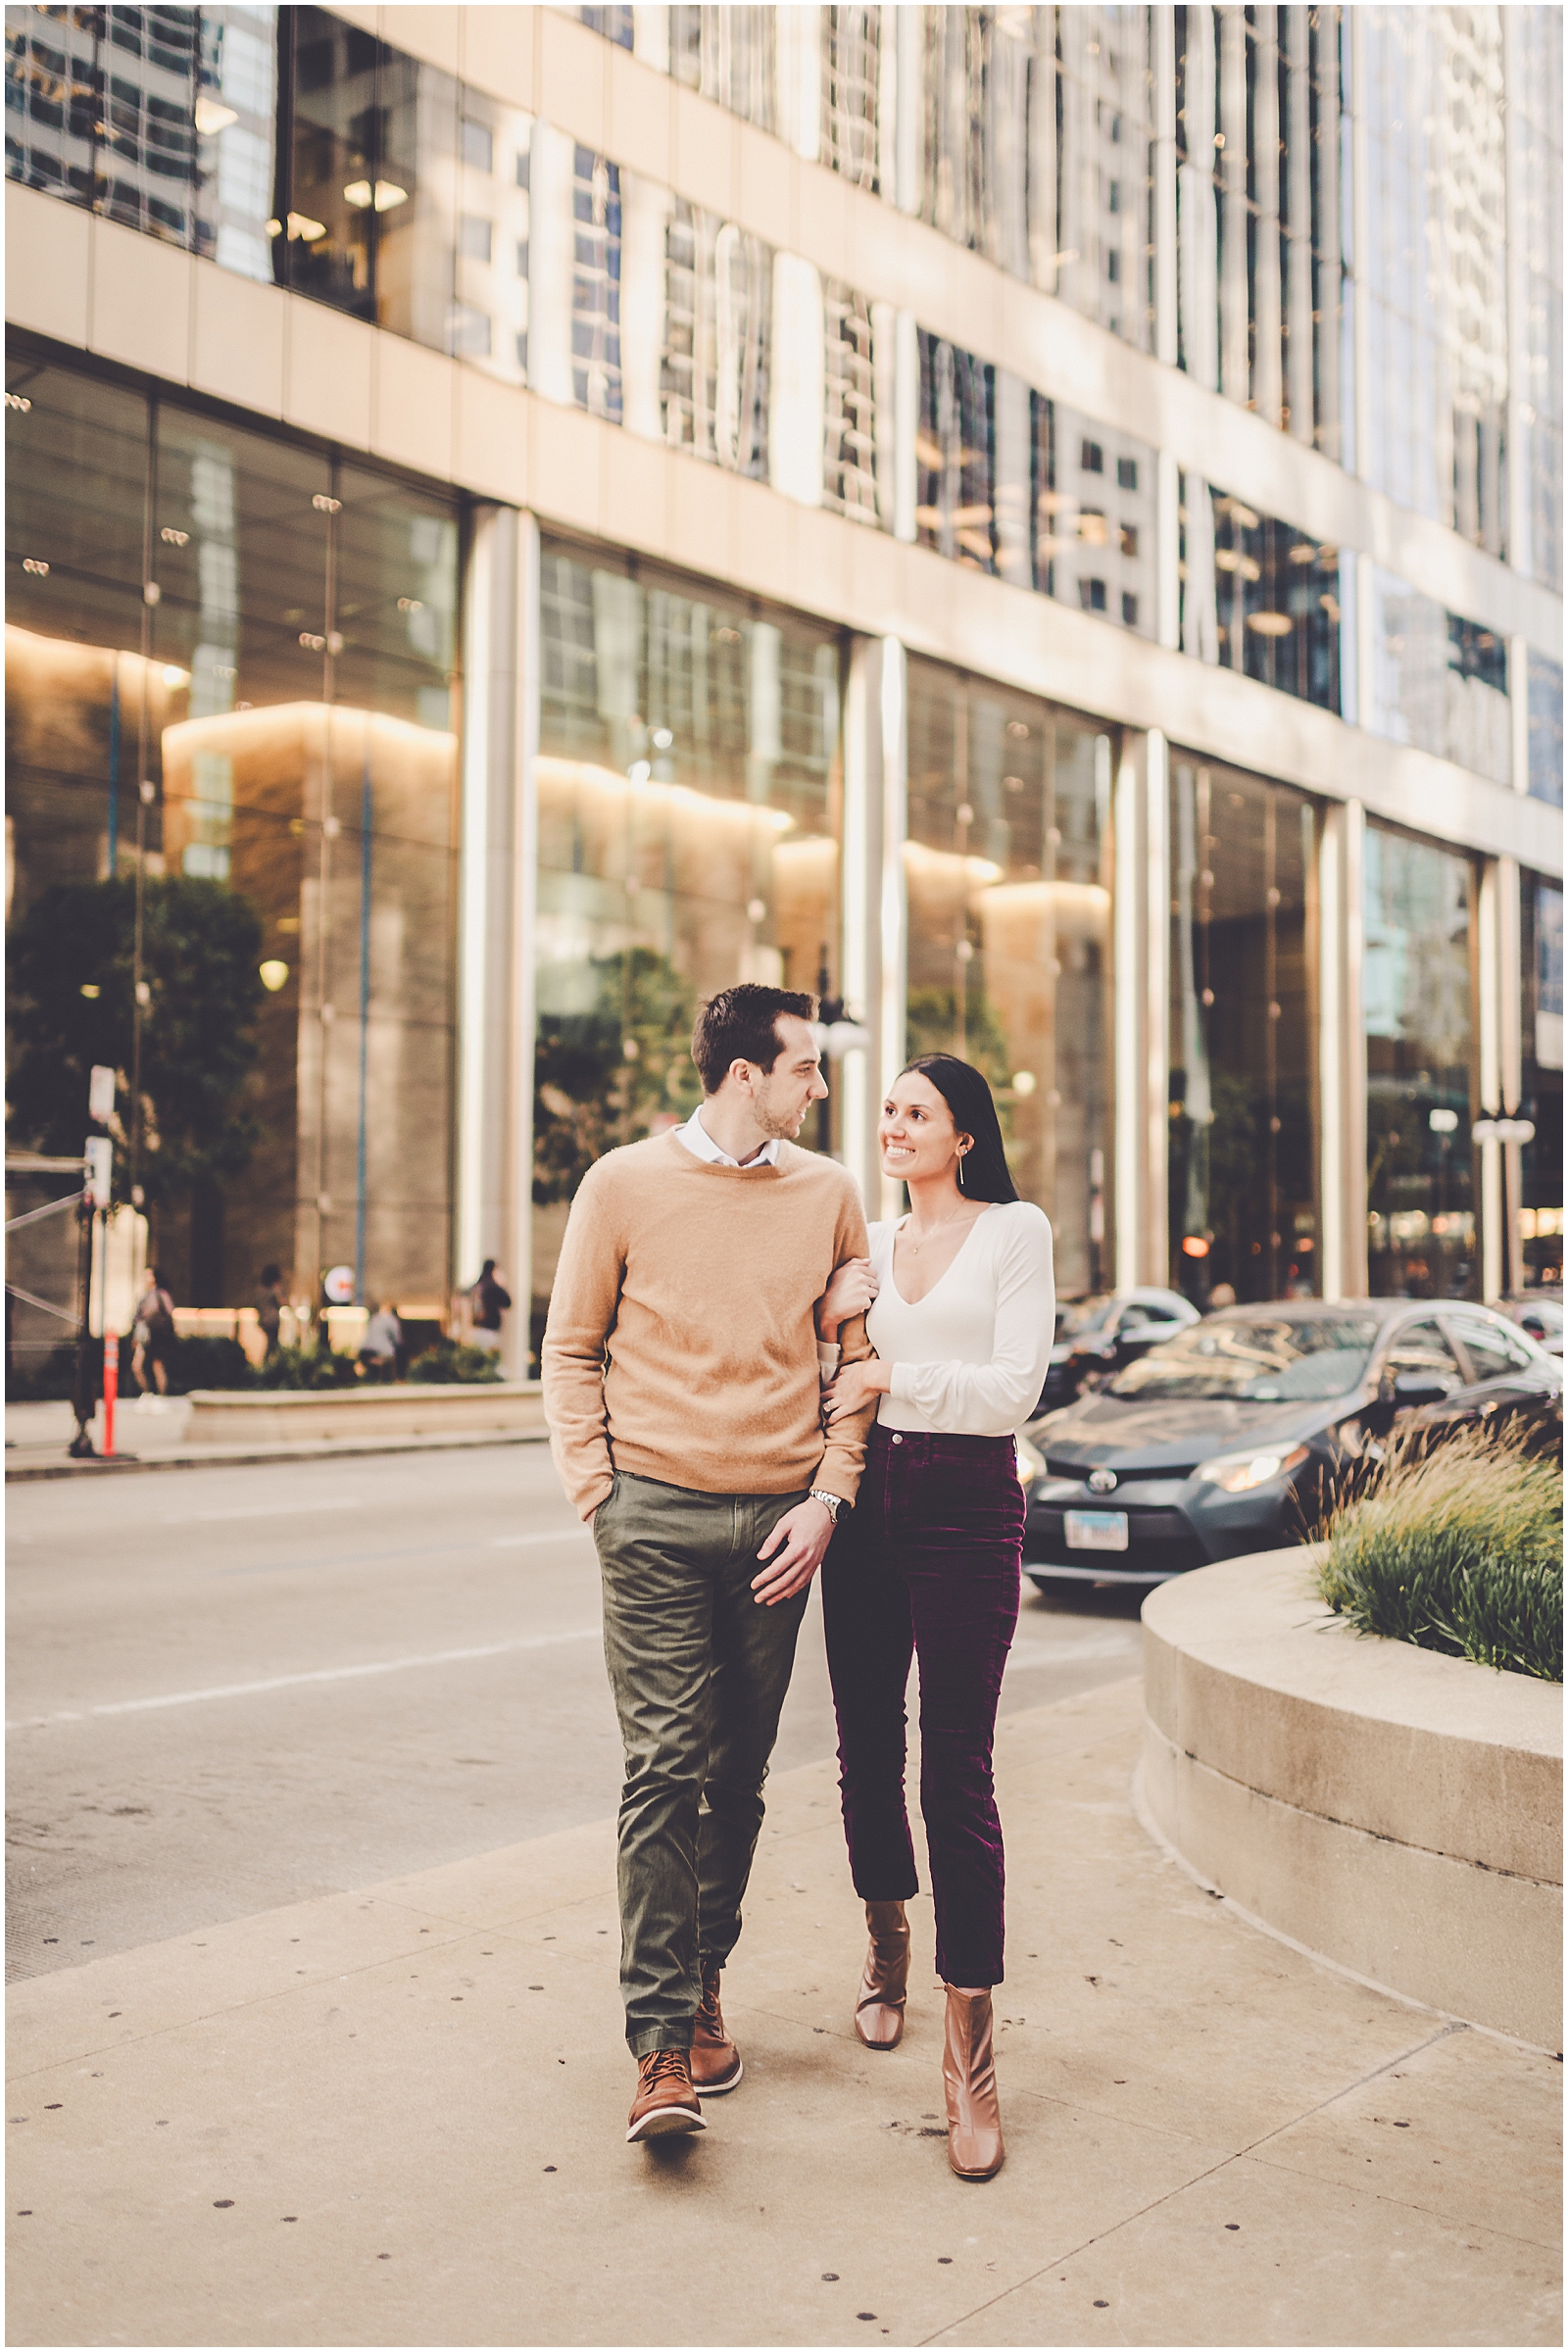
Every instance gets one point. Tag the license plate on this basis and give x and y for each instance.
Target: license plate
(1097, 1530)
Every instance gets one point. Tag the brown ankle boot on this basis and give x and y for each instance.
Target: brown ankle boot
(884, 1981)
(969, 2077)
(716, 2061)
(665, 2101)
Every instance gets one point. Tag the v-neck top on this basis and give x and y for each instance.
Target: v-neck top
(969, 1359)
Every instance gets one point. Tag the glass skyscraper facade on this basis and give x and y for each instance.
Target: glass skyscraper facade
(1043, 525)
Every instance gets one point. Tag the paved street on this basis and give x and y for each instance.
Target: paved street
(231, 1689)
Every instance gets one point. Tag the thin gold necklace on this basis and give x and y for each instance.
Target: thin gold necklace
(917, 1241)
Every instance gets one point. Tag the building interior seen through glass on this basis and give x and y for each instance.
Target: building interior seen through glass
(1008, 871)
(690, 814)
(230, 670)
(1243, 1153)
(1421, 1067)
(1540, 1079)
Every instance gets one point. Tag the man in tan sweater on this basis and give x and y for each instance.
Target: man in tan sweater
(680, 1379)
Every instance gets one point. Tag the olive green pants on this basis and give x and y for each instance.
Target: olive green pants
(699, 1673)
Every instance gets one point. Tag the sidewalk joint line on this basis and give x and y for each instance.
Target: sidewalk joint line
(1207, 2174)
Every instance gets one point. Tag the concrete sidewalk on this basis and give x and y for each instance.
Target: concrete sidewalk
(281, 2132)
(38, 1437)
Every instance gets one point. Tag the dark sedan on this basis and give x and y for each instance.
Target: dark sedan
(1228, 1439)
(1099, 1336)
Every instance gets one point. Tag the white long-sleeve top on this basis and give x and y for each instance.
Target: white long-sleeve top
(970, 1359)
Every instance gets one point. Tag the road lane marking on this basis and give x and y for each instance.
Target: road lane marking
(294, 1682)
(267, 1510)
(551, 1535)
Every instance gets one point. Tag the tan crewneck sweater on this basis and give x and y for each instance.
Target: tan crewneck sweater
(681, 1343)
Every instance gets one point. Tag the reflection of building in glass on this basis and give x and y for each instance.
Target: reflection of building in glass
(1438, 681)
(579, 506)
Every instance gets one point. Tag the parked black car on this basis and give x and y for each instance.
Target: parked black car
(1228, 1439)
(1103, 1333)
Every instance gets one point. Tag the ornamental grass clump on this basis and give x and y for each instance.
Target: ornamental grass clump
(1457, 1547)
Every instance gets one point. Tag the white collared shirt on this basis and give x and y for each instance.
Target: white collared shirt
(695, 1138)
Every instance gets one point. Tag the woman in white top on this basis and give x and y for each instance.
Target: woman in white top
(960, 1310)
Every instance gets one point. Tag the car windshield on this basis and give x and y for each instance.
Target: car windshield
(1293, 1361)
(1081, 1315)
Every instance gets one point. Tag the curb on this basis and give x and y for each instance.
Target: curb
(327, 1450)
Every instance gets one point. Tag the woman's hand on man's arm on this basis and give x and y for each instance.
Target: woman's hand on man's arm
(851, 1292)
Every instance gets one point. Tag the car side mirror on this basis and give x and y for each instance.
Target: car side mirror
(1419, 1387)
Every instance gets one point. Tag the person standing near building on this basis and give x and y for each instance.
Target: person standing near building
(962, 1314)
(154, 1334)
(488, 1302)
(269, 1310)
(681, 1385)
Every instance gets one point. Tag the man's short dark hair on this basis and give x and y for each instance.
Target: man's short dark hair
(741, 1024)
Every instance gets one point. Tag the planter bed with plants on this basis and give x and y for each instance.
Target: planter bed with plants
(1388, 1803)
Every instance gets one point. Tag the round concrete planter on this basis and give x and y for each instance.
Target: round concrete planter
(1396, 1812)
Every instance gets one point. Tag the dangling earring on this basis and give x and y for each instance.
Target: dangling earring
(960, 1170)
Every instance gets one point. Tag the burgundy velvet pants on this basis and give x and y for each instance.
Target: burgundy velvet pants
(927, 1565)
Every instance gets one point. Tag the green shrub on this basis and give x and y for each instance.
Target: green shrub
(202, 1362)
(307, 1368)
(449, 1361)
(1457, 1548)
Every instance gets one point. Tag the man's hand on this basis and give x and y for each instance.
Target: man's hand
(805, 1533)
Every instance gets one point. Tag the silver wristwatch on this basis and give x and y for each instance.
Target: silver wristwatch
(831, 1503)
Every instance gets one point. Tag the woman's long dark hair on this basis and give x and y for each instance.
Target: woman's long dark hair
(986, 1174)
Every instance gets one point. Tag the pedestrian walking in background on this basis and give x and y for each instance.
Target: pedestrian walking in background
(962, 1310)
(381, 1348)
(488, 1302)
(153, 1334)
(681, 1385)
(269, 1310)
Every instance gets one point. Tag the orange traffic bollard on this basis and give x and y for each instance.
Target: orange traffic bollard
(111, 1387)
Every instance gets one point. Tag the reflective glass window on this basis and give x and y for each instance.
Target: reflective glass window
(690, 790)
(1544, 687)
(1257, 595)
(1418, 992)
(1012, 483)
(233, 663)
(1436, 362)
(1438, 681)
(1534, 100)
(1091, 219)
(1242, 1171)
(1540, 1079)
(1008, 871)
(716, 354)
(1260, 212)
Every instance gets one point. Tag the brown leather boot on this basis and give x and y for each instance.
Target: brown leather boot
(885, 1979)
(716, 2061)
(969, 2077)
(665, 2101)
